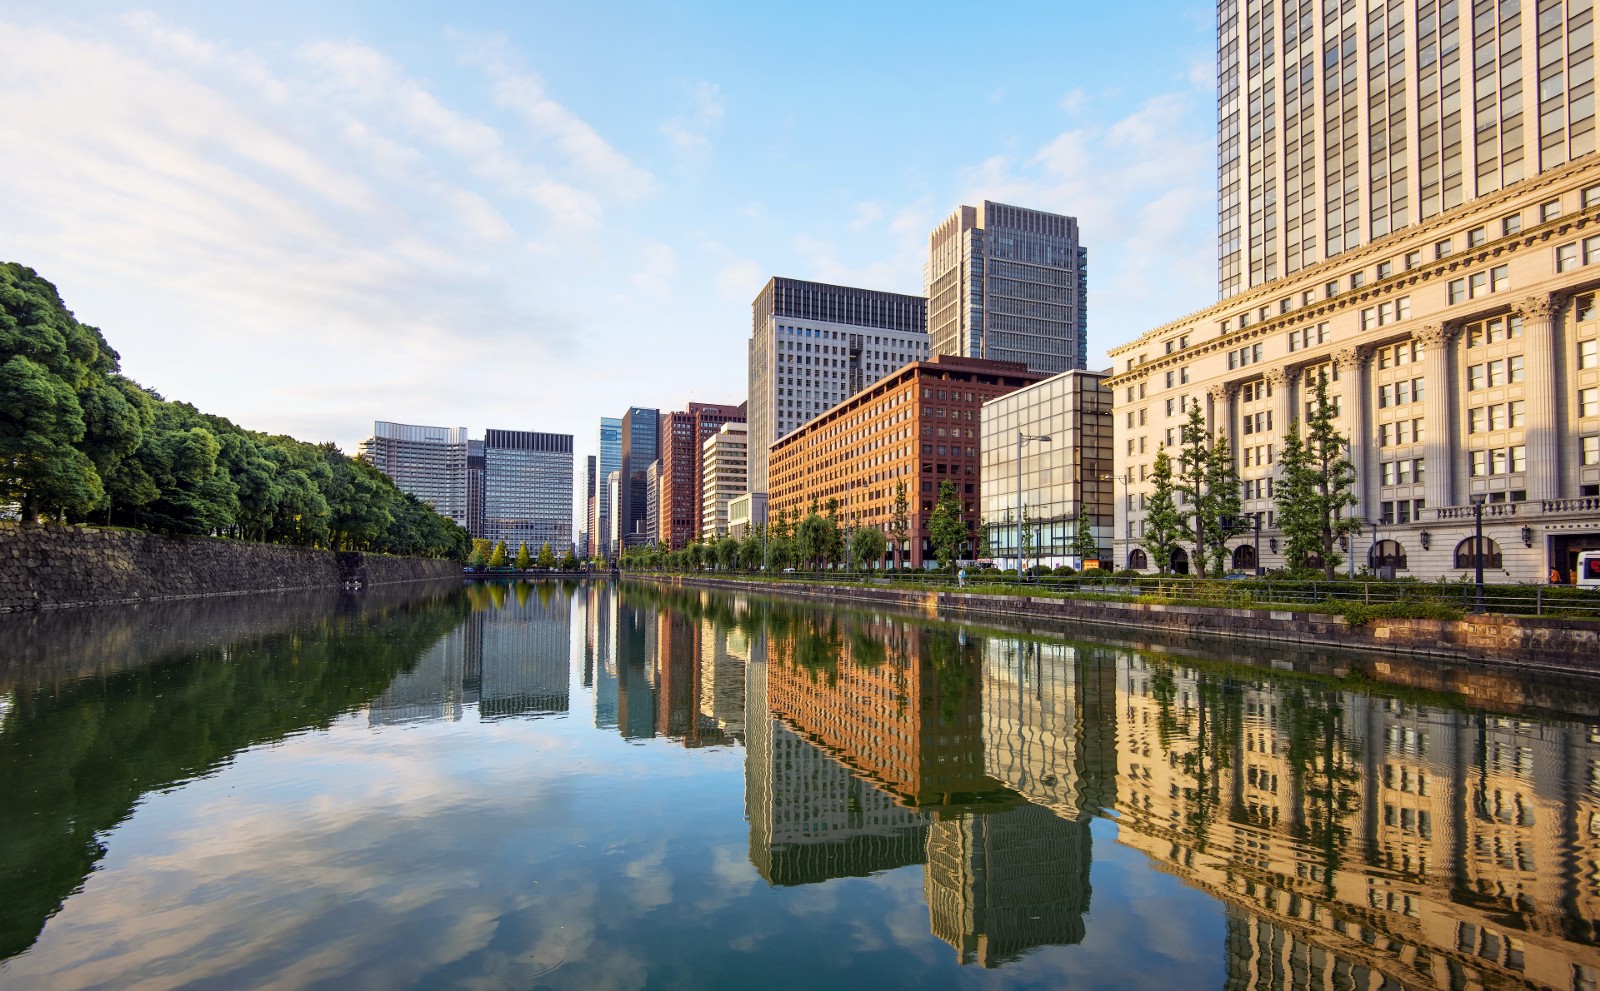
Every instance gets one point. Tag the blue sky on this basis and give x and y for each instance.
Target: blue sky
(308, 216)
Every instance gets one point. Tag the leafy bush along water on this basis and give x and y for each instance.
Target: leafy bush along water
(82, 443)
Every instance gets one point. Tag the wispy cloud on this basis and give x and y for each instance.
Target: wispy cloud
(691, 132)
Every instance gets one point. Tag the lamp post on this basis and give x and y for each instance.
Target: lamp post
(1259, 569)
(1477, 550)
(1022, 439)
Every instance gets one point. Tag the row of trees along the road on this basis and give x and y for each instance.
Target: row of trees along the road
(487, 554)
(1195, 498)
(81, 443)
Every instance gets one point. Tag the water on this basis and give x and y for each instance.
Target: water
(589, 787)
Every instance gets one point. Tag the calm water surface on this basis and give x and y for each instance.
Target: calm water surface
(586, 786)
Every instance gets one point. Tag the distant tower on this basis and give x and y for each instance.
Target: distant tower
(1009, 284)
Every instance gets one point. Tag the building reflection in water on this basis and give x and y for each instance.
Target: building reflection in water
(509, 657)
(1355, 840)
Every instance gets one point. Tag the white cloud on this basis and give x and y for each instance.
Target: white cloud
(1074, 101)
(691, 133)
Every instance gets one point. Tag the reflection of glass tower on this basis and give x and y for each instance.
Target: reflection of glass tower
(636, 692)
(523, 660)
(603, 634)
(810, 819)
(432, 689)
(1001, 884)
(724, 652)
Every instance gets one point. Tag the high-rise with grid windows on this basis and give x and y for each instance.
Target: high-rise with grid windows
(1340, 123)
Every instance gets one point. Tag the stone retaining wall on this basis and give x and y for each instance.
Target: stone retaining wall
(51, 567)
(1554, 644)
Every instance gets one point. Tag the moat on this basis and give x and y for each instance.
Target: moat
(548, 785)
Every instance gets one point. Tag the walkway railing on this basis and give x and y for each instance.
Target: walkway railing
(1517, 600)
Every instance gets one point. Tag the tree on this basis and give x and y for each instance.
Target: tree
(947, 528)
(867, 546)
(547, 557)
(524, 560)
(1024, 540)
(816, 537)
(750, 550)
(569, 561)
(479, 558)
(1164, 522)
(1083, 541)
(497, 558)
(985, 547)
(900, 524)
(1316, 487)
(727, 552)
(1210, 483)
(1222, 491)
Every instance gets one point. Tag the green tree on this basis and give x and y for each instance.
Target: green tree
(1222, 491)
(1024, 540)
(1316, 487)
(947, 528)
(524, 560)
(985, 547)
(1083, 542)
(816, 536)
(900, 523)
(727, 550)
(569, 561)
(867, 546)
(479, 557)
(497, 557)
(750, 550)
(1165, 523)
(547, 556)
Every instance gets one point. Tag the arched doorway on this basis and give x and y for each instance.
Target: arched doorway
(1386, 558)
(1468, 553)
(1244, 558)
(1179, 565)
(1137, 560)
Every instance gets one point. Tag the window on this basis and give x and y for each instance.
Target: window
(1385, 269)
(1497, 373)
(1519, 458)
(1443, 248)
(1515, 416)
(1358, 279)
(1591, 197)
(1477, 285)
(1413, 259)
(1591, 249)
(1589, 402)
(1172, 378)
(1514, 368)
(1566, 257)
(1511, 225)
(1476, 420)
(1479, 465)
(1589, 354)
(1549, 210)
(1476, 236)
(1330, 290)
(1499, 278)
(1457, 291)
(1589, 450)
(1469, 553)
(1474, 377)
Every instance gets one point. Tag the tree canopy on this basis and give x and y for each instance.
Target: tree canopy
(79, 442)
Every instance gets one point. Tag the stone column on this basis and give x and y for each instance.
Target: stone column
(1353, 364)
(1539, 390)
(1221, 421)
(1438, 369)
(1285, 381)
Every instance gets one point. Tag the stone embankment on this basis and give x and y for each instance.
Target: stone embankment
(53, 567)
(1571, 645)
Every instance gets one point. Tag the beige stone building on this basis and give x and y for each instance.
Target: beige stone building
(1463, 354)
(724, 473)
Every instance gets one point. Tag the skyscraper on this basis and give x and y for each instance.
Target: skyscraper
(641, 444)
(1336, 130)
(724, 476)
(608, 461)
(427, 462)
(682, 434)
(528, 489)
(1009, 284)
(813, 345)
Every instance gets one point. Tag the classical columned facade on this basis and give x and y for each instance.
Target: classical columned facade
(1461, 355)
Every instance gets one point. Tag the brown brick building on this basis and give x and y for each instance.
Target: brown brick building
(919, 425)
(682, 433)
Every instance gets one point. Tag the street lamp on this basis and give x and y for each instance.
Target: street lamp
(1022, 439)
(1477, 549)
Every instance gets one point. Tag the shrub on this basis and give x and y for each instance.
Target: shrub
(1359, 614)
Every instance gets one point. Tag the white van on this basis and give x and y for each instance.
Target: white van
(1589, 569)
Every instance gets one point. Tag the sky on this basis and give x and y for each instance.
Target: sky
(308, 216)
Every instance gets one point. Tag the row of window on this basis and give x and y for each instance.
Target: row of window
(1494, 331)
(1240, 357)
(1386, 313)
(1402, 472)
(1401, 510)
(1496, 416)
(1477, 285)
(1498, 461)
(1400, 393)
(1492, 373)
(1400, 432)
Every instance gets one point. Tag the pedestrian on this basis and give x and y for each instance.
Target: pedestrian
(961, 578)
